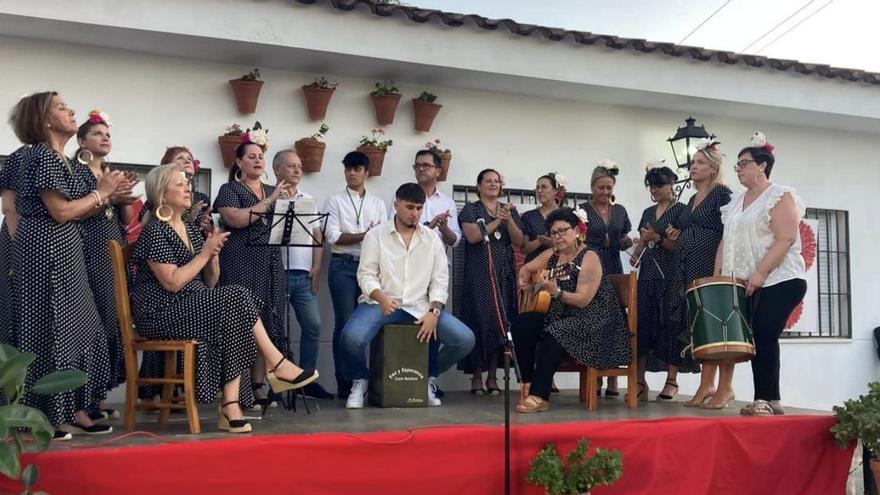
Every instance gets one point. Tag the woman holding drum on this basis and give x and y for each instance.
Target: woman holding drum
(761, 245)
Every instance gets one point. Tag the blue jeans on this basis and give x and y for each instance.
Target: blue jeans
(367, 320)
(344, 292)
(305, 306)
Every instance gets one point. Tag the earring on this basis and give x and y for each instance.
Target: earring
(84, 161)
(238, 176)
(162, 217)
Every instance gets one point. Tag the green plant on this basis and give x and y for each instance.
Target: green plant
(322, 131)
(18, 420)
(376, 140)
(579, 473)
(385, 88)
(859, 419)
(236, 130)
(253, 75)
(434, 145)
(323, 83)
(429, 97)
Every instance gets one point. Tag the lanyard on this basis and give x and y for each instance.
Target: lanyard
(357, 210)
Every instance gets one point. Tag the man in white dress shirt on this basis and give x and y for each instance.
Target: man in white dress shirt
(404, 277)
(353, 212)
(439, 213)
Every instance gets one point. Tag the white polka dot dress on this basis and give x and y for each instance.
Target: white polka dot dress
(9, 175)
(604, 238)
(58, 320)
(220, 319)
(701, 231)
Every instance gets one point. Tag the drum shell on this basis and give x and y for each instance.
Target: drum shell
(710, 299)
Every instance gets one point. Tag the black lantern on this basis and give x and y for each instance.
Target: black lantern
(681, 150)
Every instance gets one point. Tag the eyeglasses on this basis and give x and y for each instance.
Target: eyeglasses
(743, 164)
(420, 166)
(559, 233)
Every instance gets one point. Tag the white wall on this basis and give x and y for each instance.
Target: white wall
(159, 101)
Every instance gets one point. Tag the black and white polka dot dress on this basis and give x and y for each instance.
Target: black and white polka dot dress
(258, 268)
(9, 175)
(595, 335)
(604, 238)
(96, 231)
(534, 224)
(477, 304)
(58, 320)
(221, 319)
(701, 233)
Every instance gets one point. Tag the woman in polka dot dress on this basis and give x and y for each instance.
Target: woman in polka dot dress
(174, 296)
(8, 186)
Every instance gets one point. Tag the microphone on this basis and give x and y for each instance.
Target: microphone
(482, 225)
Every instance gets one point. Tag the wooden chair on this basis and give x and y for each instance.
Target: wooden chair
(626, 287)
(132, 343)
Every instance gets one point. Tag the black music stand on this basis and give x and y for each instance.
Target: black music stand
(285, 221)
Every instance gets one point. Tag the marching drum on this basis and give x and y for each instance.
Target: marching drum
(719, 323)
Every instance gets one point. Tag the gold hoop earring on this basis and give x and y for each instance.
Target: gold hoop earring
(160, 216)
(84, 161)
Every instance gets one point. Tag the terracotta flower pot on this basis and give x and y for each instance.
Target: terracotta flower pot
(246, 94)
(385, 107)
(376, 156)
(445, 160)
(311, 153)
(317, 100)
(227, 149)
(424, 113)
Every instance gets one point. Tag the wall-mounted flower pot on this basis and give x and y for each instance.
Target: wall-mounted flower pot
(227, 149)
(385, 107)
(445, 161)
(246, 94)
(424, 113)
(376, 156)
(317, 101)
(311, 153)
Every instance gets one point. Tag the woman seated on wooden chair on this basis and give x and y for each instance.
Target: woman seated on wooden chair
(173, 296)
(585, 319)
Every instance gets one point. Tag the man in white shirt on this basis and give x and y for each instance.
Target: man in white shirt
(404, 277)
(439, 213)
(303, 265)
(353, 212)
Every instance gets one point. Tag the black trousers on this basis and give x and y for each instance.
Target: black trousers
(772, 307)
(537, 352)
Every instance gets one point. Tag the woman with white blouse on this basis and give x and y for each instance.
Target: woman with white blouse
(761, 245)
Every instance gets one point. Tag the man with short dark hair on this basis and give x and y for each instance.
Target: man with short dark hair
(352, 213)
(404, 278)
(439, 213)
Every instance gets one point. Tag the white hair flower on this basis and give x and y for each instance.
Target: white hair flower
(561, 180)
(258, 137)
(758, 140)
(582, 215)
(652, 164)
(609, 164)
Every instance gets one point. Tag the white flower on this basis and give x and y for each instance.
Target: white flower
(758, 140)
(561, 181)
(258, 137)
(609, 164)
(582, 215)
(655, 164)
(105, 118)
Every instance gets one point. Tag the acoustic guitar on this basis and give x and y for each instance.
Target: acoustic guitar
(535, 300)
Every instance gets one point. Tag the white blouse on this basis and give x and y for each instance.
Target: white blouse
(747, 237)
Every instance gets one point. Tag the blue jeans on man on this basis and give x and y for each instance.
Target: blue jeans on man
(367, 320)
(305, 306)
(344, 292)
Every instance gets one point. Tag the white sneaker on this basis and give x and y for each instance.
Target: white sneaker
(432, 392)
(356, 397)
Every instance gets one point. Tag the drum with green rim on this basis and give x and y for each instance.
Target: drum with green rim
(719, 320)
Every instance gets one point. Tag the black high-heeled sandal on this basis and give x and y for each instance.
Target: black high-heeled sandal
(278, 384)
(231, 425)
(673, 384)
(263, 403)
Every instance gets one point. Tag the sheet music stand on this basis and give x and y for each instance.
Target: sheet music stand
(278, 229)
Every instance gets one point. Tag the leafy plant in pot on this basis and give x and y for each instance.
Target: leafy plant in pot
(18, 421)
(385, 100)
(580, 472)
(247, 91)
(232, 138)
(859, 419)
(445, 155)
(318, 95)
(425, 110)
(311, 150)
(375, 147)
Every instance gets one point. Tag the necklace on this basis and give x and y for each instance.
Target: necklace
(357, 209)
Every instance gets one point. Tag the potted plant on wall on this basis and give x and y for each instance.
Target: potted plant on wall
(385, 99)
(247, 91)
(311, 150)
(231, 139)
(374, 147)
(424, 110)
(318, 96)
(859, 419)
(580, 472)
(445, 155)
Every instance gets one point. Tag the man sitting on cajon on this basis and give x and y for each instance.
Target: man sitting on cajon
(404, 276)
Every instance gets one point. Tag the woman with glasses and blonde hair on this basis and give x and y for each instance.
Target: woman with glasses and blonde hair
(174, 295)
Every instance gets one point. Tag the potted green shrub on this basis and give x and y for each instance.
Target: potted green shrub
(385, 99)
(247, 91)
(318, 95)
(375, 147)
(579, 473)
(859, 419)
(232, 138)
(17, 421)
(311, 150)
(425, 110)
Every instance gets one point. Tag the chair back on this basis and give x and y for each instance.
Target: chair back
(627, 288)
(119, 259)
